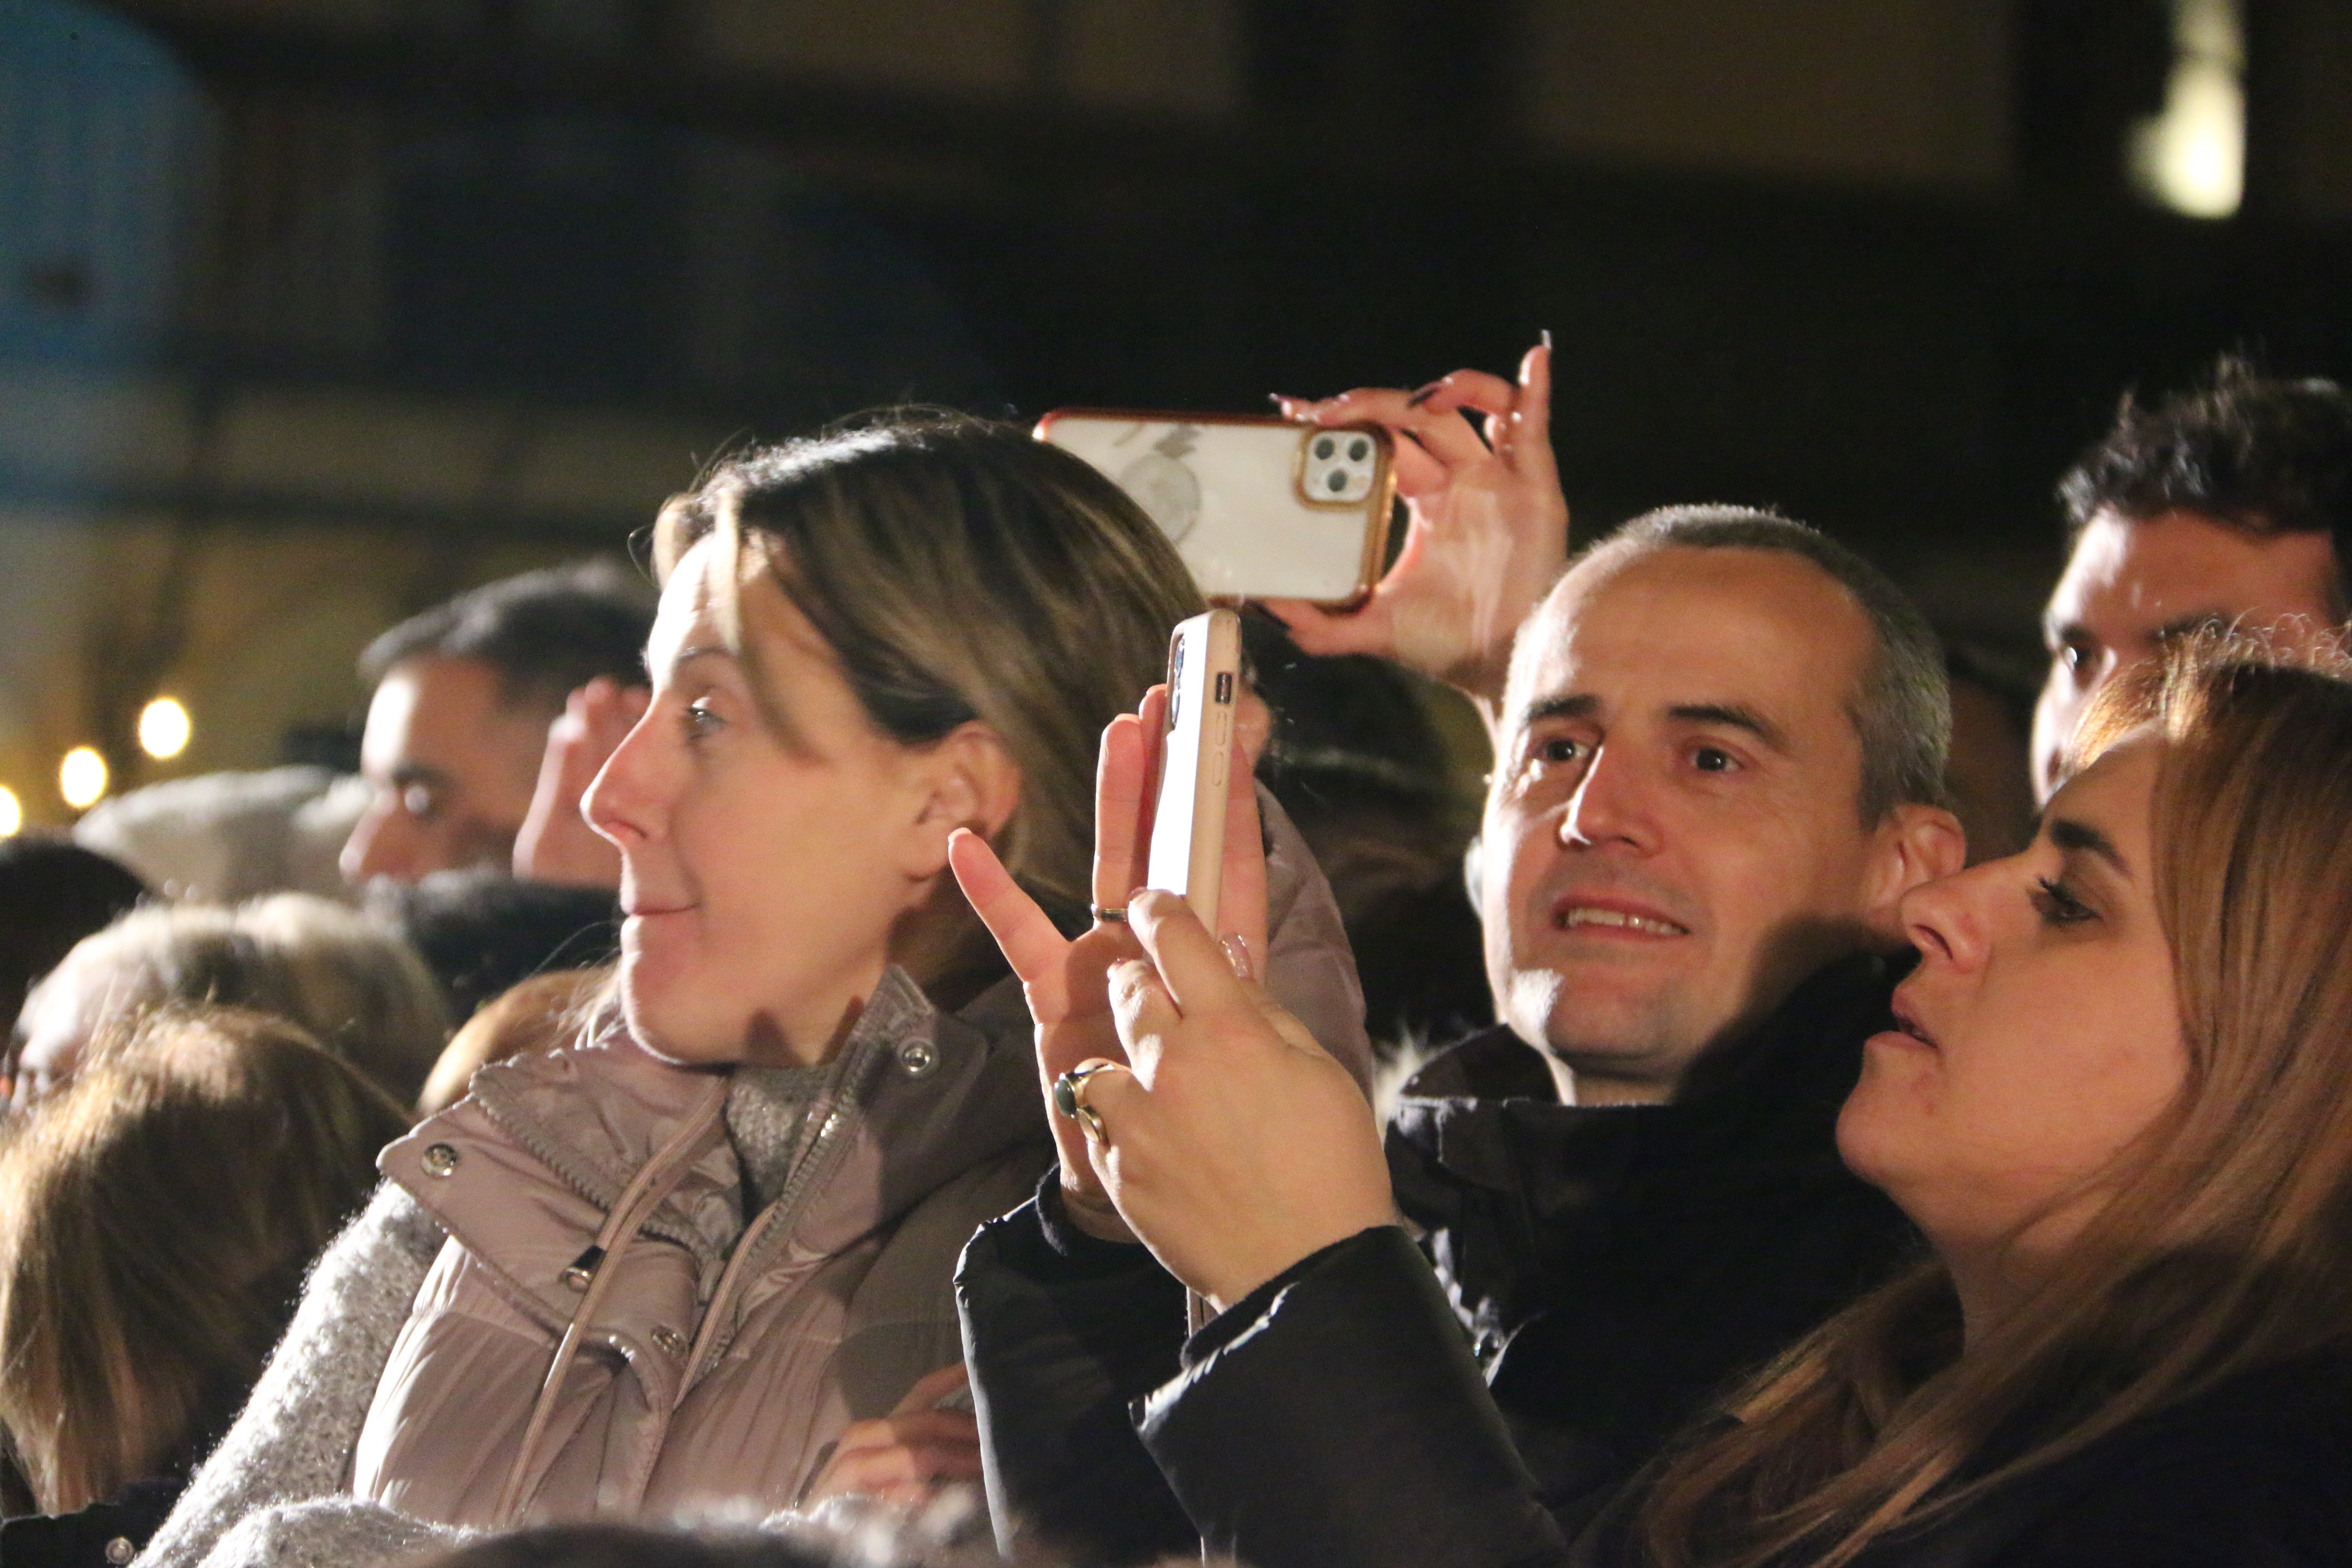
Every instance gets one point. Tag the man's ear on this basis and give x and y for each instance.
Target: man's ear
(1915, 844)
(969, 780)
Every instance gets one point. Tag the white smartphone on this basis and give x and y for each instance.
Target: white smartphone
(1187, 820)
(1259, 508)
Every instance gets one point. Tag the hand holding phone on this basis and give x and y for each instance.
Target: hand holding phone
(1258, 507)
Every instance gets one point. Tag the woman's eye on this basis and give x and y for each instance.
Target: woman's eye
(2058, 905)
(700, 719)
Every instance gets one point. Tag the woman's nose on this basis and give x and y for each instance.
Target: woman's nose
(623, 803)
(1944, 917)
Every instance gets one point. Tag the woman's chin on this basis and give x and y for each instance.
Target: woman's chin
(665, 1025)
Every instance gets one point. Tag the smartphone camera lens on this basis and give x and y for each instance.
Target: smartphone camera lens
(1358, 449)
(1324, 448)
(1338, 483)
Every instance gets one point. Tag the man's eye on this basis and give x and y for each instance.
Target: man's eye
(1714, 759)
(1560, 749)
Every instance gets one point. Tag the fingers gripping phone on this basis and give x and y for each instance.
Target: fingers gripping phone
(1188, 820)
(1259, 508)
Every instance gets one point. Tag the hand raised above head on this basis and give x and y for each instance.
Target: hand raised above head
(555, 843)
(1066, 980)
(1487, 532)
(1234, 1145)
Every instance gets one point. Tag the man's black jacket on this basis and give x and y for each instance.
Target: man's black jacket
(1616, 1266)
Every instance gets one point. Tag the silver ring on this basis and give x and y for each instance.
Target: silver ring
(1116, 917)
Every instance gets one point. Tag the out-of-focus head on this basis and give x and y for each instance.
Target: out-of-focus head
(2228, 505)
(2143, 1022)
(1720, 764)
(541, 1015)
(463, 694)
(156, 1217)
(867, 641)
(53, 893)
(330, 971)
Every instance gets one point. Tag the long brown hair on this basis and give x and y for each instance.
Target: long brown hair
(2229, 1248)
(156, 1217)
(959, 569)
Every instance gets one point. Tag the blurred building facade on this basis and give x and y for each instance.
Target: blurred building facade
(335, 306)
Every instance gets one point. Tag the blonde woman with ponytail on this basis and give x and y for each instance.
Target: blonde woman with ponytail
(2116, 1098)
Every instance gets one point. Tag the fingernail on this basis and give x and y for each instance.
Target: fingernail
(1547, 340)
(1237, 954)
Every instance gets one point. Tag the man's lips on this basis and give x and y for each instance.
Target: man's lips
(1615, 917)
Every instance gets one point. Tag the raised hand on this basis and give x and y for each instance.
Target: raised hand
(1067, 981)
(555, 843)
(1487, 533)
(1231, 1144)
(910, 1453)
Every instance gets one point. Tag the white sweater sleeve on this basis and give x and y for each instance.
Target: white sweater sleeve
(292, 1443)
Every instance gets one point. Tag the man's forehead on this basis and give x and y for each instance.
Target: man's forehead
(2127, 577)
(1767, 630)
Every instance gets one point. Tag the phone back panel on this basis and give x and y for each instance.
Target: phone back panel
(1258, 507)
(1188, 828)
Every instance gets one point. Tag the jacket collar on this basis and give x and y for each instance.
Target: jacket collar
(543, 1146)
(1487, 1108)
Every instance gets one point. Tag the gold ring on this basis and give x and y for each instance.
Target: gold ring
(1091, 1120)
(1069, 1089)
(1103, 913)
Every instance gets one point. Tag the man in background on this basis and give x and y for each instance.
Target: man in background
(459, 728)
(2228, 504)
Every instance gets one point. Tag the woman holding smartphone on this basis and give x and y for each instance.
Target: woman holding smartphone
(2114, 1102)
(702, 1257)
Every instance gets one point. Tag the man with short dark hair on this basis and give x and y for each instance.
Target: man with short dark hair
(2231, 503)
(457, 730)
(1719, 757)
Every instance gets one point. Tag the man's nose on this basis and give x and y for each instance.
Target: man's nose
(385, 842)
(1609, 808)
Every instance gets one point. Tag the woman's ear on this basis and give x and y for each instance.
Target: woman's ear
(970, 780)
(1916, 845)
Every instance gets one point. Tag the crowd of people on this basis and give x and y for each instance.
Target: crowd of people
(716, 1088)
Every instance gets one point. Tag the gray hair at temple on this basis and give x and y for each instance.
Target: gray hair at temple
(1901, 710)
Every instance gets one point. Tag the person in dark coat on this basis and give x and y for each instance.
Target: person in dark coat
(2110, 1098)
(1630, 1185)
(1692, 877)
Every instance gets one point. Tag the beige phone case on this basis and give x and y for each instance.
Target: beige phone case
(1259, 508)
(1188, 821)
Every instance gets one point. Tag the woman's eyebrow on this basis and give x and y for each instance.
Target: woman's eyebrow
(2070, 835)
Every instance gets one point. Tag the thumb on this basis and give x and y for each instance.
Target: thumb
(932, 1387)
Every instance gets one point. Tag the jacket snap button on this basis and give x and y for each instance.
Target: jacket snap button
(916, 1058)
(119, 1551)
(440, 1158)
(671, 1341)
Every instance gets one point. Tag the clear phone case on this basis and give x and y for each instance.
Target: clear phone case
(1259, 508)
